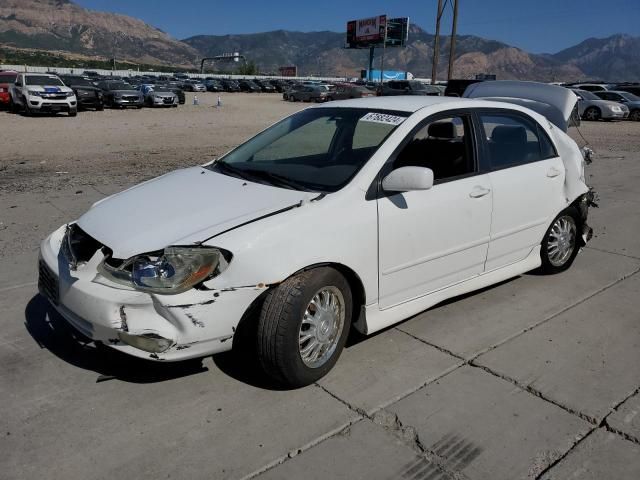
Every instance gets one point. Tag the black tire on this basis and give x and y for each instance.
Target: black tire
(549, 266)
(329, 99)
(593, 114)
(100, 108)
(73, 112)
(13, 107)
(279, 327)
(635, 115)
(26, 110)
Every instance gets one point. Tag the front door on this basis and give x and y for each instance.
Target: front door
(434, 238)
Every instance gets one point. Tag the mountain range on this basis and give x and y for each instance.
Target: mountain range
(65, 27)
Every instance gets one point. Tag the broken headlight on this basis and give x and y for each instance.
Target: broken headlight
(174, 270)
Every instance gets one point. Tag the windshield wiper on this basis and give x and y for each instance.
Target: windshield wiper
(224, 167)
(275, 179)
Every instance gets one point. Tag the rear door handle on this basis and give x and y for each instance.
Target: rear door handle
(479, 191)
(553, 172)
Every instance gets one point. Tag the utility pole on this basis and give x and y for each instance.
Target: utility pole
(452, 50)
(436, 44)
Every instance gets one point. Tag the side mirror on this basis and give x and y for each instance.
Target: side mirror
(407, 179)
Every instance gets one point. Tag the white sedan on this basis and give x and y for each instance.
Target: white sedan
(357, 214)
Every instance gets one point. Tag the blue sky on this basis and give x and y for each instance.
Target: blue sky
(533, 25)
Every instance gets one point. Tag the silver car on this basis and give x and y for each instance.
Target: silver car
(156, 97)
(592, 107)
(629, 100)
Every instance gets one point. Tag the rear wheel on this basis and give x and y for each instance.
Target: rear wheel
(560, 244)
(303, 326)
(592, 113)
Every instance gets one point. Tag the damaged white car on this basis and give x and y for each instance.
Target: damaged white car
(358, 214)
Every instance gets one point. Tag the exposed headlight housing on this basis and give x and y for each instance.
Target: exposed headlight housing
(171, 271)
(615, 108)
(34, 93)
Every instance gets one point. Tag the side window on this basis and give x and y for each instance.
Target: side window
(514, 140)
(444, 145)
(18, 82)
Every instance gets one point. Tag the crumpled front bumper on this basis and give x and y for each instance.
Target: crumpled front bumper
(197, 322)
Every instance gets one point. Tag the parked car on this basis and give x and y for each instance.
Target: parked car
(230, 85)
(249, 86)
(155, 96)
(175, 87)
(213, 85)
(265, 86)
(118, 94)
(292, 87)
(457, 86)
(36, 93)
(279, 85)
(628, 87)
(7, 79)
(591, 107)
(309, 93)
(627, 99)
(194, 86)
(406, 87)
(171, 269)
(344, 91)
(590, 87)
(87, 94)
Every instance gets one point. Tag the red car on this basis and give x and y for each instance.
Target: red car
(6, 79)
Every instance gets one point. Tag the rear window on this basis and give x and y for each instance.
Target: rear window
(7, 78)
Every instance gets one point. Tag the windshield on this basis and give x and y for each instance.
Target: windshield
(586, 95)
(42, 80)
(8, 78)
(77, 81)
(319, 149)
(119, 86)
(630, 96)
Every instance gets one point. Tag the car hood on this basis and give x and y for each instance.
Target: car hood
(85, 87)
(48, 88)
(127, 92)
(183, 207)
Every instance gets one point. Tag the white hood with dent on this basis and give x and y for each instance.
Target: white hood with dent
(180, 208)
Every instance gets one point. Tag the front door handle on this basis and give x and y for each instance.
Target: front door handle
(479, 191)
(553, 172)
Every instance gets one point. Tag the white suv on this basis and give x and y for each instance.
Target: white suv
(36, 92)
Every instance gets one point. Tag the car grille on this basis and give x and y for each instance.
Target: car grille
(168, 101)
(130, 98)
(48, 284)
(54, 96)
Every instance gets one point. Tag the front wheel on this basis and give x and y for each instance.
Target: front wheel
(635, 115)
(592, 113)
(560, 243)
(303, 326)
(73, 112)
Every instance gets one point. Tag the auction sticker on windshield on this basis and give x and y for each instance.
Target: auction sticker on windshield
(382, 118)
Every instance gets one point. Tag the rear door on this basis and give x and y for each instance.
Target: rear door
(526, 176)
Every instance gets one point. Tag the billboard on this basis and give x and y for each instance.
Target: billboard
(290, 71)
(366, 31)
(376, 75)
(371, 32)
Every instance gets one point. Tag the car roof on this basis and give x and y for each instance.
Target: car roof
(402, 103)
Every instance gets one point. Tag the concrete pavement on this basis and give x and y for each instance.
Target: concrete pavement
(534, 378)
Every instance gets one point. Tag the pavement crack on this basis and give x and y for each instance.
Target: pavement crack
(554, 315)
(579, 439)
(612, 253)
(354, 408)
(433, 345)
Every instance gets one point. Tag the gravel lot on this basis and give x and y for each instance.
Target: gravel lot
(534, 378)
